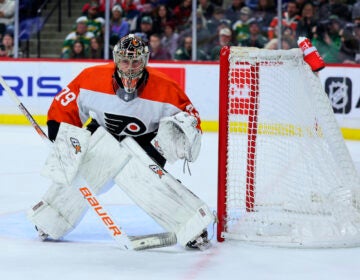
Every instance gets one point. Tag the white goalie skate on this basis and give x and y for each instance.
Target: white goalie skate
(201, 243)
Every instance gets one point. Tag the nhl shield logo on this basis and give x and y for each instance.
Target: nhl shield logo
(339, 90)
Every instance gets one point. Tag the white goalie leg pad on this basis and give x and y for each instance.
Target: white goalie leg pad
(103, 160)
(163, 197)
(59, 211)
(66, 154)
(62, 207)
(178, 138)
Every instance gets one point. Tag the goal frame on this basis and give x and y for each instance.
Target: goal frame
(230, 90)
(223, 139)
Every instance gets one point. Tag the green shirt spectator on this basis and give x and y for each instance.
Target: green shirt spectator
(81, 33)
(241, 26)
(327, 40)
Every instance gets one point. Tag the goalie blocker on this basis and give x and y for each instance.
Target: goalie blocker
(105, 161)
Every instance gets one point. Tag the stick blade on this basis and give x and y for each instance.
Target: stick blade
(151, 241)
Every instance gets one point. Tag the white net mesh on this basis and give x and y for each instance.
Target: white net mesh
(290, 178)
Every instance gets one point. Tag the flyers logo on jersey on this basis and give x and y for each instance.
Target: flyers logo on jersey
(157, 170)
(123, 125)
(76, 144)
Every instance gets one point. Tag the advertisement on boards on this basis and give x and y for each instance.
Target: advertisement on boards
(37, 82)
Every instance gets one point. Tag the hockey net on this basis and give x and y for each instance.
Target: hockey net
(285, 175)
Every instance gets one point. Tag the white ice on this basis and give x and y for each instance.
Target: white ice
(89, 253)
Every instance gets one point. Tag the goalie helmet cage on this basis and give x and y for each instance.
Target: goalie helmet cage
(285, 176)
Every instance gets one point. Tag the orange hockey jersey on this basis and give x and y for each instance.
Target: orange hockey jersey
(93, 94)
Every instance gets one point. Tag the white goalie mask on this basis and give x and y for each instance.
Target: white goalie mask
(131, 55)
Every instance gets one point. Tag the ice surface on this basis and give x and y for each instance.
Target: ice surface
(89, 253)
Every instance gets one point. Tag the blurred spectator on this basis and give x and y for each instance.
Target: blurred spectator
(100, 7)
(205, 8)
(218, 3)
(356, 27)
(213, 23)
(327, 40)
(273, 44)
(182, 14)
(81, 33)
(136, 3)
(119, 27)
(232, 13)
(157, 52)
(224, 39)
(340, 9)
(357, 36)
(78, 50)
(3, 52)
(241, 26)
(264, 14)
(162, 17)
(307, 21)
(7, 46)
(94, 20)
(326, 8)
(290, 35)
(129, 9)
(185, 51)
(290, 19)
(350, 45)
(170, 39)
(7, 12)
(96, 48)
(173, 3)
(146, 10)
(203, 36)
(322, 10)
(146, 28)
(355, 14)
(300, 5)
(256, 39)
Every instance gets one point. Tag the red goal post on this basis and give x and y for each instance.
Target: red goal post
(285, 176)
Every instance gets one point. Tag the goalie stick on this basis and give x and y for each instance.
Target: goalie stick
(124, 241)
